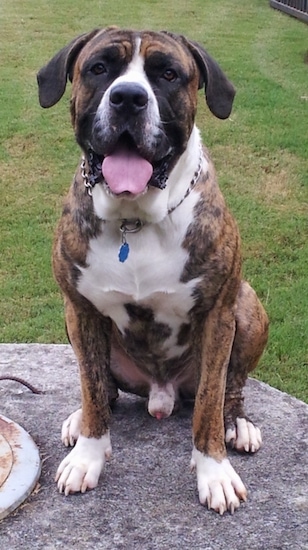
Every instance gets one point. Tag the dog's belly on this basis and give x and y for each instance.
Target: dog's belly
(131, 378)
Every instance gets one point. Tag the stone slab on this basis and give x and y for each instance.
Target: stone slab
(147, 498)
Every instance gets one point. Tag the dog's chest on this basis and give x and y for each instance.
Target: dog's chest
(144, 293)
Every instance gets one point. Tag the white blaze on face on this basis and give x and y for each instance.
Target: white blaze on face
(125, 170)
(136, 74)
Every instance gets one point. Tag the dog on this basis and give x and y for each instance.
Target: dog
(148, 256)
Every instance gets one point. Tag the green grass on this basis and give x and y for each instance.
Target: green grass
(260, 155)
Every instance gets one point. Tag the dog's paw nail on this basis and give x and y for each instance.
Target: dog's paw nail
(108, 454)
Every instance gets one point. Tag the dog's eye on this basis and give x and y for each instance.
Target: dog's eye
(98, 68)
(170, 75)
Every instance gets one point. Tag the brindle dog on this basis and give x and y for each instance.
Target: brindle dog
(148, 256)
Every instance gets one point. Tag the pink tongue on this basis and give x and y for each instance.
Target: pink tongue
(126, 171)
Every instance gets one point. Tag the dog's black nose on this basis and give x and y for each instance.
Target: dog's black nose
(128, 96)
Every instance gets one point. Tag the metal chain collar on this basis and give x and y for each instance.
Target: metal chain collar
(92, 177)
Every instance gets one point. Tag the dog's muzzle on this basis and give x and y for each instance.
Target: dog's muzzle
(131, 149)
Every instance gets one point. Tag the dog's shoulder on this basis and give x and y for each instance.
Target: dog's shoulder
(78, 224)
(212, 240)
(214, 225)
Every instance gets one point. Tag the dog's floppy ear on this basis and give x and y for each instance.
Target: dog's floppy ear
(52, 77)
(219, 91)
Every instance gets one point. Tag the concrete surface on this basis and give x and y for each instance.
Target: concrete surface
(147, 497)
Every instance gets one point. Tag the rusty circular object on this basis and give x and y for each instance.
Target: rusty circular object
(20, 465)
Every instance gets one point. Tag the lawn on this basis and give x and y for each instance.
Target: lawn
(260, 154)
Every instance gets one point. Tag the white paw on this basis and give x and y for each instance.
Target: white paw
(81, 468)
(161, 400)
(219, 486)
(244, 437)
(71, 428)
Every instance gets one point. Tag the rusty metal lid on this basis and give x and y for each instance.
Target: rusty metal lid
(20, 465)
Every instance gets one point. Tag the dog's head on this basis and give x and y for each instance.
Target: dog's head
(134, 99)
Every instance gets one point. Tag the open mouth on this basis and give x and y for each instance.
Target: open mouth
(125, 170)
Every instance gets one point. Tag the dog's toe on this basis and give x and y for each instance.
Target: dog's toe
(219, 486)
(71, 428)
(244, 436)
(81, 468)
(78, 478)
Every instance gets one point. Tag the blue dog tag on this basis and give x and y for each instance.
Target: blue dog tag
(123, 252)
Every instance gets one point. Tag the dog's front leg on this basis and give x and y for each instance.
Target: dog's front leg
(90, 336)
(219, 485)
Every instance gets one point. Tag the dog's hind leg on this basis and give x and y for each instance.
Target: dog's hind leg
(249, 342)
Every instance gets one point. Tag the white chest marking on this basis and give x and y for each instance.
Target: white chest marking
(149, 277)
